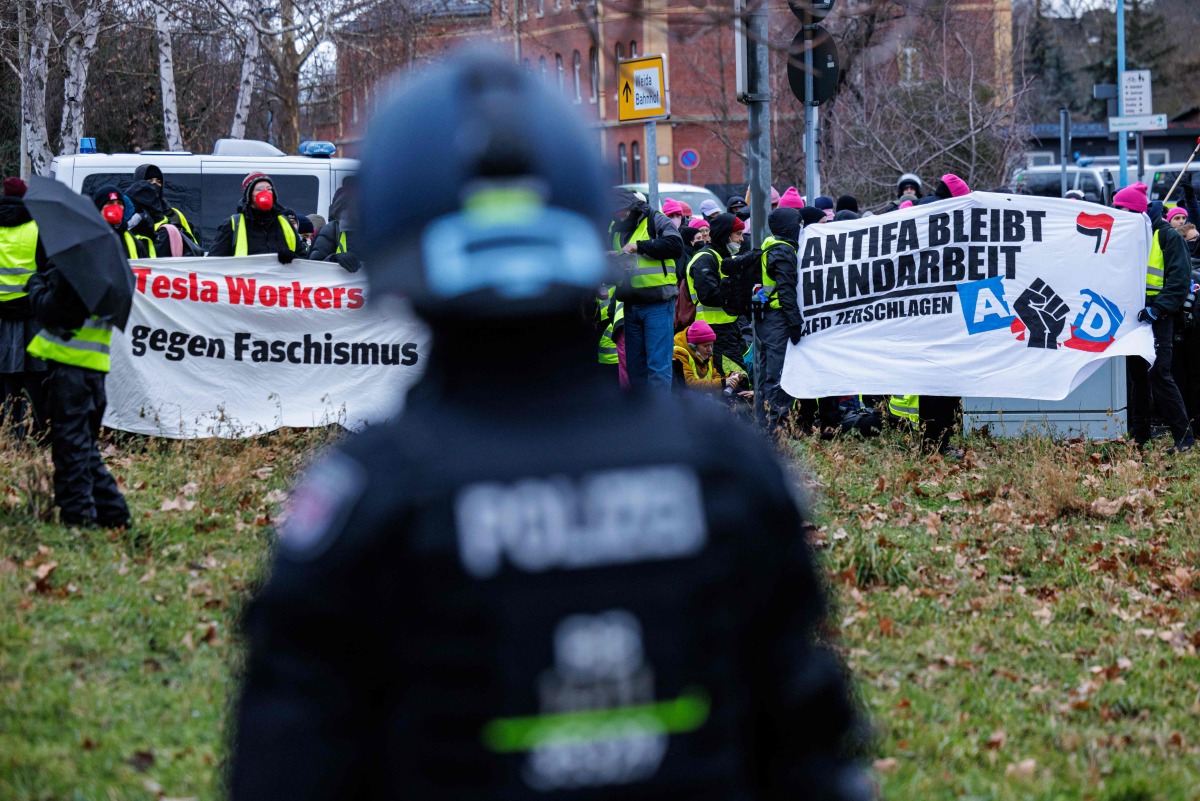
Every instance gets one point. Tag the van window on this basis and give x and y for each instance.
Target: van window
(181, 190)
(1090, 187)
(223, 193)
(1043, 184)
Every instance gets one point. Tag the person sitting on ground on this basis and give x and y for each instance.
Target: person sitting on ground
(335, 241)
(259, 226)
(694, 366)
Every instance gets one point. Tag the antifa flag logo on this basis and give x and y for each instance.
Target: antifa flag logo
(1097, 226)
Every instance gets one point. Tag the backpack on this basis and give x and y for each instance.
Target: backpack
(742, 272)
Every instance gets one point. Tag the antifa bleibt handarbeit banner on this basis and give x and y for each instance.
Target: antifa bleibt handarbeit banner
(241, 346)
(987, 295)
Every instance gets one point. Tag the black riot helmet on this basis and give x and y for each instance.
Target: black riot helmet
(481, 194)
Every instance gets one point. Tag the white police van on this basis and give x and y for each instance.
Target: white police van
(208, 188)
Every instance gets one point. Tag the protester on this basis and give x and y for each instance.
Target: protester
(1177, 217)
(791, 199)
(318, 222)
(709, 209)
(950, 185)
(825, 204)
(259, 226)
(118, 210)
(811, 215)
(736, 205)
(524, 552)
(170, 215)
(21, 255)
(1074, 194)
(704, 274)
(674, 212)
(76, 347)
(304, 227)
(650, 244)
(846, 203)
(780, 320)
(337, 239)
(695, 366)
(148, 224)
(908, 187)
(687, 212)
(1167, 281)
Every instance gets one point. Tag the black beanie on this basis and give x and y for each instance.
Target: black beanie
(847, 202)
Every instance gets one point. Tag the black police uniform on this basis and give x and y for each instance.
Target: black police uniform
(533, 586)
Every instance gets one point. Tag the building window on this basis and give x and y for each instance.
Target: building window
(910, 66)
(594, 62)
(557, 6)
(542, 67)
(578, 66)
(623, 158)
(637, 162)
(558, 67)
(541, 8)
(620, 51)
(522, 9)
(633, 48)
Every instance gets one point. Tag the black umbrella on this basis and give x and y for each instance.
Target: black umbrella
(81, 243)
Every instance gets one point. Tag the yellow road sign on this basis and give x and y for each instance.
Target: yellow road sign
(642, 88)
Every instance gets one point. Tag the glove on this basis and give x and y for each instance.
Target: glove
(286, 255)
(795, 334)
(348, 262)
(1189, 191)
(1147, 315)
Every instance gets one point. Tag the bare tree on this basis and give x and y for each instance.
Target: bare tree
(166, 76)
(241, 109)
(34, 70)
(79, 44)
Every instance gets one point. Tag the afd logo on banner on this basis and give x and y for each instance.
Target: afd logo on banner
(1039, 315)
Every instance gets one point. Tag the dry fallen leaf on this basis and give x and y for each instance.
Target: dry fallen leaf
(996, 741)
(886, 765)
(141, 761)
(1021, 770)
(178, 504)
(276, 496)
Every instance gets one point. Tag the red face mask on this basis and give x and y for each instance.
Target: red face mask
(265, 199)
(114, 213)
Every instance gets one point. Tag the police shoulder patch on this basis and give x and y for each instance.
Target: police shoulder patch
(319, 506)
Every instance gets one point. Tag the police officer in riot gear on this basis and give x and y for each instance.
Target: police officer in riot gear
(530, 585)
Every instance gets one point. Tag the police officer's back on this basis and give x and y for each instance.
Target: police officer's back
(530, 585)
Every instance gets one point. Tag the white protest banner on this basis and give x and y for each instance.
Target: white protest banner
(241, 346)
(987, 294)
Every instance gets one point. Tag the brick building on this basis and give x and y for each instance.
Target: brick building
(575, 44)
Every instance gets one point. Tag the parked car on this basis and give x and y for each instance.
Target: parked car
(1097, 182)
(687, 193)
(207, 188)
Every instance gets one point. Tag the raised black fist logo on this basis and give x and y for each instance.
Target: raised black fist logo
(1044, 314)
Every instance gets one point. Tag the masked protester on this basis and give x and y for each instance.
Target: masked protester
(704, 274)
(260, 226)
(152, 175)
(470, 602)
(780, 318)
(336, 240)
(147, 223)
(119, 211)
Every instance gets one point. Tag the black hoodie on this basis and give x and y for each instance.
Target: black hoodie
(12, 214)
(705, 270)
(325, 245)
(145, 172)
(1177, 267)
(781, 263)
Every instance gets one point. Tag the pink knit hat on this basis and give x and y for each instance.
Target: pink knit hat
(1175, 212)
(957, 186)
(687, 210)
(671, 206)
(700, 331)
(791, 199)
(1133, 198)
(774, 196)
(699, 222)
(906, 204)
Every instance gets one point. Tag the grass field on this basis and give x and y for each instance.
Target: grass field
(1021, 624)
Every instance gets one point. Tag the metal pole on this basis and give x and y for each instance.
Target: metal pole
(759, 108)
(1064, 138)
(1141, 146)
(652, 165)
(1122, 137)
(811, 181)
(759, 112)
